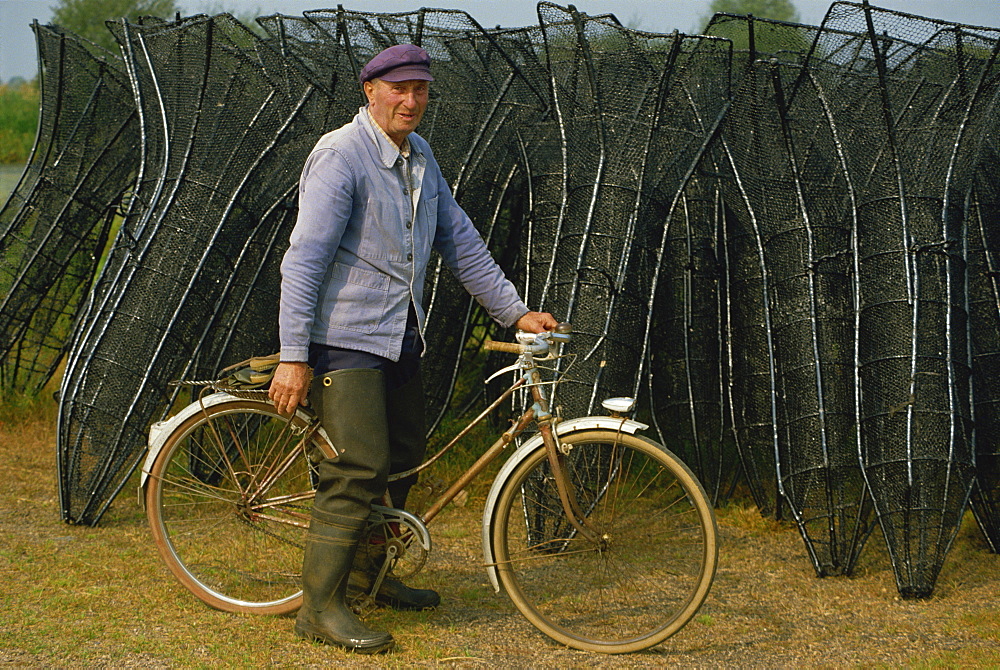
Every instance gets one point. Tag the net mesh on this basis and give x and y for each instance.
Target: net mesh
(57, 221)
(191, 283)
(984, 299)
(922, 92)
(779, 236)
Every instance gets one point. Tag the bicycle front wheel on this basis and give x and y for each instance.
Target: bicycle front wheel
(229, 500)
(650, 564)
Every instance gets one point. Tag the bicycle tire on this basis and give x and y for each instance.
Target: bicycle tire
(659, 546)
(229, 499)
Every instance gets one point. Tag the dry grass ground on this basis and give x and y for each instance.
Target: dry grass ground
(100, 597)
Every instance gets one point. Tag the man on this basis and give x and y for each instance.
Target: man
(372, 205)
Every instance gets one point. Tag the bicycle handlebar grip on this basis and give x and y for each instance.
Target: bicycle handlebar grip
(509, 347)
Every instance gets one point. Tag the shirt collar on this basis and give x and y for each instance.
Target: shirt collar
(404, 150)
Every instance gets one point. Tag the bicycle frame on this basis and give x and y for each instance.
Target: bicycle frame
(539, 413)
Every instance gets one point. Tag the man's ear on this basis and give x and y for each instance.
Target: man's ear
(369, 87)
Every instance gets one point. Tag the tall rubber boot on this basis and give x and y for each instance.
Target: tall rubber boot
(349, 404)
(408, 443)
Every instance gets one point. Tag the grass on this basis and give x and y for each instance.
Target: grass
(110, 584)
(77, 596)
(18, 121)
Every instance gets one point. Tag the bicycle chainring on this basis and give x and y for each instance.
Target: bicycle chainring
(403, 535)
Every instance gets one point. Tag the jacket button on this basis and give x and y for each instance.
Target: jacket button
(409, 224)
(409, 257)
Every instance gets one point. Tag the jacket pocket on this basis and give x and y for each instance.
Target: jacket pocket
(430, 209)
(354, 299)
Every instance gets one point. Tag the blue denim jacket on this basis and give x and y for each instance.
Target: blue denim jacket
(359, 252)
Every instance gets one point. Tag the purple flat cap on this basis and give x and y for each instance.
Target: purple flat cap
(399, 63)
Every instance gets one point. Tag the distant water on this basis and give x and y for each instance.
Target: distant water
(9, 174)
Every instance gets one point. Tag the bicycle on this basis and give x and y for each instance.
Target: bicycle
(601, 537)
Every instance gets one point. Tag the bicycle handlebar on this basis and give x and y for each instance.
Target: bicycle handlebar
(509, 347)
(538, 344)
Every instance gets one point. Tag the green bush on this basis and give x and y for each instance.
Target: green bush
(18, 120)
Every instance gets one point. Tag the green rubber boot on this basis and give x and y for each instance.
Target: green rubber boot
(347, 486)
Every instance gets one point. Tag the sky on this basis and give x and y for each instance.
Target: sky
(18, 57)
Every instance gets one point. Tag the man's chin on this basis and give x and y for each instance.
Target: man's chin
(406, 128)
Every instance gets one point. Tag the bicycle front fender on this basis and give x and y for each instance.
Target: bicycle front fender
(562, 428)
(161, 431)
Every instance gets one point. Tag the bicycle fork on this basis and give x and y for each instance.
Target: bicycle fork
(557, 462)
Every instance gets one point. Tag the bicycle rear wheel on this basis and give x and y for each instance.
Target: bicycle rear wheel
(652, 566)
(229, 500)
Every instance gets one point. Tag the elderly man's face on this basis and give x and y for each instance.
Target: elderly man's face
(397, 106)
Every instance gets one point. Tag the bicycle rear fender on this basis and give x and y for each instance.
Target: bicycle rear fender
(160, 431)
(562, 428)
